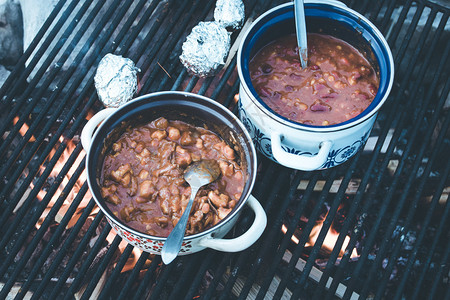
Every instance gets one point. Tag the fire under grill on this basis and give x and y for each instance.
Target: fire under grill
(374, 227)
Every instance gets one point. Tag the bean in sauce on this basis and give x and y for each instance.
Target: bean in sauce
(338, 84)
(142, 177)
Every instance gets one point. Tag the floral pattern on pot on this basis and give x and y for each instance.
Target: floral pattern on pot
(147, 245)
(262, 143)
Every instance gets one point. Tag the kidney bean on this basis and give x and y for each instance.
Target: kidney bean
(319, 105)
(358, 95)
(295, 76)
(266, 68)
(288, 88)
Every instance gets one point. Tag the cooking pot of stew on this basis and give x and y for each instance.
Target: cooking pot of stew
(320, 116)
(136, 157)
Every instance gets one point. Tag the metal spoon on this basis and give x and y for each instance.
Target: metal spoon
(300, 29)
(197, 175)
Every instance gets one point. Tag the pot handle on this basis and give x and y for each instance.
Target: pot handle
(88, 130)
(245, 240)
(304, 163)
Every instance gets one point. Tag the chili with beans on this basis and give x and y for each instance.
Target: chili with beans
(338, 84)
(142, 177)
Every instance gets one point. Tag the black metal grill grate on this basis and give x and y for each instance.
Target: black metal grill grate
(389, 203)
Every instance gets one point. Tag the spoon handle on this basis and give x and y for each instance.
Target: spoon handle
(300, 26)
(173, 242)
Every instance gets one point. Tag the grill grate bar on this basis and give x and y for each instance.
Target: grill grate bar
(269, 239)
(405, 229)
(326, 225)
(30, 225)
(85, 266)
(145, 282)
(41, 137)
(344, 261)
(47, 250)
(31, 88)
(37, 96)
(399, 56)
(443, 266)
(357, 200)
(366, 210)
(344, 230)
(427, 220)
(129, 23)
(403, 161)
(307, 230)
(12, 84)
(116, 272)
(176, 36)
(387, 17)
(277, 188)
(197, 280)
(393, 35)
(133, 276)
(100, 269)
(184, 281)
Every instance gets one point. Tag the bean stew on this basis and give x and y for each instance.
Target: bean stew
(142, 177)
(338, 84)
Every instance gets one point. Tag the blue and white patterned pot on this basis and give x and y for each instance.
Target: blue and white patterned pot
(307, 147)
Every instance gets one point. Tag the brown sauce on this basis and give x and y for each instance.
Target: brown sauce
(338, 84)
(142, 177)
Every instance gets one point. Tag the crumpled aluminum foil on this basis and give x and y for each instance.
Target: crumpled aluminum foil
(205, 49)
(230, 13)
(115, 80)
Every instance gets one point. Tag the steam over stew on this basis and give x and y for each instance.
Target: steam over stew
(338, 84)
(142, 177)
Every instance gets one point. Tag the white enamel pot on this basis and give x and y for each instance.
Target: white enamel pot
(307, 147)
(105, 127)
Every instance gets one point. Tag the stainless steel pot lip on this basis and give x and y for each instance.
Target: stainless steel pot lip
(273, 13)
(177, 95)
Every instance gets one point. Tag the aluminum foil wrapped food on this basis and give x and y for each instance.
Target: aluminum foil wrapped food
(205, 49)
(115, 80)
(230, 13)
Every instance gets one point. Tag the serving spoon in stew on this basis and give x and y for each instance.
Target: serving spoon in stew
(197, 175)
(300, 29)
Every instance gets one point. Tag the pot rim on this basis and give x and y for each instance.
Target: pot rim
(342, 9)
(178, 95)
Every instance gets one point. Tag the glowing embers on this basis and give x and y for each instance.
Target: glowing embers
(331, 236)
